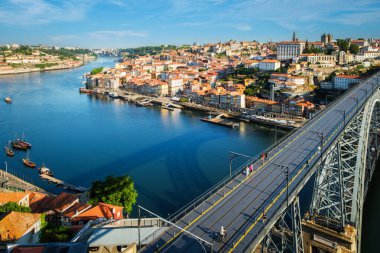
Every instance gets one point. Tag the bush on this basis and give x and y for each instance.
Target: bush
(51, 233)
(13, 206)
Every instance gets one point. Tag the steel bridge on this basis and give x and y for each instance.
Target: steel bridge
(339, 146)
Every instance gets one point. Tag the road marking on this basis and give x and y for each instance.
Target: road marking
(283, 190)
(237, 186)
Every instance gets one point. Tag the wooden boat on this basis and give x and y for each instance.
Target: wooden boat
(84, 90)
(8, 100)
(9, 151)
(18, 146)
(28, 163)
(45, 171)
(24, 143)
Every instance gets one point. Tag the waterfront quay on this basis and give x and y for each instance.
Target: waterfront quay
(11, 182)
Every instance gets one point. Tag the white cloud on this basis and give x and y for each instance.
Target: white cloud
(117, 33)
(36, 12)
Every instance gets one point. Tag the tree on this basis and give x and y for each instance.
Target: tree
(354, 49)
(96, 70)
(118, 191)
(13, 206)
(343, 45)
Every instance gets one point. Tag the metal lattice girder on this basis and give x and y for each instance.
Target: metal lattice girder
(341, 179)
(282, 237)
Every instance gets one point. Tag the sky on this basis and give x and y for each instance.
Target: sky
(132, 23)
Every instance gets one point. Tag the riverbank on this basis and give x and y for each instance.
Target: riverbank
(285, 123)
(14, 71)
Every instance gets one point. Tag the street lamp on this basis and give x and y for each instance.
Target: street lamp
(357, 103)
(234, 155)
(344, 115)
(320, 147)
(286, 172)
(366, 92)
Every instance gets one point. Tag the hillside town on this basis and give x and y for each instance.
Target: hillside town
(287, 79)
(16, 58)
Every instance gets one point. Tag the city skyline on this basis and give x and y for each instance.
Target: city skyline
(121, 24)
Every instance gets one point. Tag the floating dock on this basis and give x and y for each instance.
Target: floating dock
(218, 120)
(63, 184)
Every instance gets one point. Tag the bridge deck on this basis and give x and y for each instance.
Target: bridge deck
(239, 206)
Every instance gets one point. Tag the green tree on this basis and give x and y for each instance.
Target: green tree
(118, 191)
(343, 45)
(96, 70)
(13, 206)
(354, 49)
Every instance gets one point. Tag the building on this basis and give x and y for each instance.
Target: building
(326, 38)
(288, 50)
(21, 198)
(21, 228)
(101, 211)
(344, 82)
(175, 86)
(269, 65)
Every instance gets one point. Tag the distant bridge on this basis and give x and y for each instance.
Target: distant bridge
(340, 146)
(106, 51)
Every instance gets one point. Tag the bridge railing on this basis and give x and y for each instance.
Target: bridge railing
(200, 199)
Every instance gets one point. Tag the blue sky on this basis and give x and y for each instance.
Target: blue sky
(131, 23)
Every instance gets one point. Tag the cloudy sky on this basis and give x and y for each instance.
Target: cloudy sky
(131, 23)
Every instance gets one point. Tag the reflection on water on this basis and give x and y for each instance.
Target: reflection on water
(171, 155)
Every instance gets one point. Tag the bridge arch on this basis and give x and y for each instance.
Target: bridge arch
(342, 179)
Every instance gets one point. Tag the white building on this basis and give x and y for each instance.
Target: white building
(287, 50)
(174, 86)
(343, 82)
(269, 65)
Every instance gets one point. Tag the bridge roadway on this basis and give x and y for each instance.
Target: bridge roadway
(239, 205)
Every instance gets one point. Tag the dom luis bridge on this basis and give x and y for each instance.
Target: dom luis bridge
(260, 211)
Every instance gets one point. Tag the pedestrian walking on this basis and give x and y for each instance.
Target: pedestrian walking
(251, 168)
(246, 171)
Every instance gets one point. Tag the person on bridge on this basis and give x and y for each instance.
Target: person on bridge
(264, 217)
(251, 168)
(222, 232)
(247, 171)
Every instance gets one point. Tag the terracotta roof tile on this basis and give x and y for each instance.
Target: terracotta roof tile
(6, 197)
(101, 210)
(15, 224)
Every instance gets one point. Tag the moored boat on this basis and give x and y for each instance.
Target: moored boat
(8, 100)
(24, 143)
(28, 163)
(18, 146)
(45, 171)
(84, 90)
(168, 107)
(9, 151)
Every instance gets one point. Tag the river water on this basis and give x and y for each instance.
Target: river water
(171, 156)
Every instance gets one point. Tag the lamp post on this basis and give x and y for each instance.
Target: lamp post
(320, 135)
(357, 103)
(285, 170)
(344, 115)
(234, 155)
(366, 92)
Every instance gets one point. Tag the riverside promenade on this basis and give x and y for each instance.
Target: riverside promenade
(11, 182)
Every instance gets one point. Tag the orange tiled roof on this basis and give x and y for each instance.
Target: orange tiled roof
(348, 76)
(266, 101)
(101, 210)
(62, 202)
(15, 224)
(6, 197)
(76, 209)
